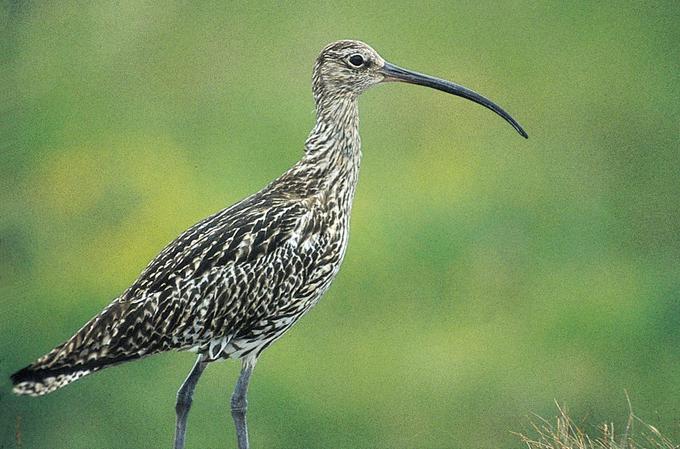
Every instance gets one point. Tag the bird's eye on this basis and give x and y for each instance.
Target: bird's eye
(356, 60)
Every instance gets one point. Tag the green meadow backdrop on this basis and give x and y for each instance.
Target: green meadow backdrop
(486, 276)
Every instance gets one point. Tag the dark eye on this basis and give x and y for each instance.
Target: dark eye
(356, 60)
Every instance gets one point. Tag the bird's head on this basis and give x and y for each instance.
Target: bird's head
(346, 68)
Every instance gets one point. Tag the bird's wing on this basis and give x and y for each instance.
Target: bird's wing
(181, 284)
(206, 281)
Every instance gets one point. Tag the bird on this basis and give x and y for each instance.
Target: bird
(235, 282)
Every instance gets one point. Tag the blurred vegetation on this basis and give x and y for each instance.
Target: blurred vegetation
(486, 275)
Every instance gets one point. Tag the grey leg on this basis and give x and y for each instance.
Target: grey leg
(239, 404)
(184, 398)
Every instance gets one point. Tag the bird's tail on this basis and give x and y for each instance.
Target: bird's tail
(35, 381)
(97, 345)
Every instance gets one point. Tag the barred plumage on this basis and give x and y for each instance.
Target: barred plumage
(235, 282)
(226, 287)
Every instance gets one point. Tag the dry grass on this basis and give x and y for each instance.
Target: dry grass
(565, 434)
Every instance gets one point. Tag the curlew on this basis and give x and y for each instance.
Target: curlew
(235, 282)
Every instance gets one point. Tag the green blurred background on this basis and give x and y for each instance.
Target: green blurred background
(486, 276)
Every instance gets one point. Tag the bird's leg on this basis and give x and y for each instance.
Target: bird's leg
(239, 404)
(184, 398)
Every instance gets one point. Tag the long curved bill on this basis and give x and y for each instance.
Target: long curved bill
(395, 73)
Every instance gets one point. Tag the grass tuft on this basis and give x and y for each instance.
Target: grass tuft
(563, 433)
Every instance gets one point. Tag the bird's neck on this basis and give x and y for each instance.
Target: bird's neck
(339, 110)
(334, 144)
(332, 156)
